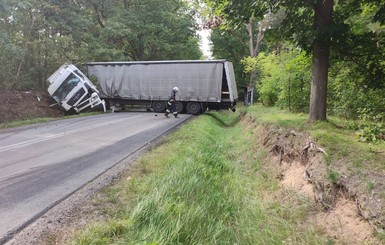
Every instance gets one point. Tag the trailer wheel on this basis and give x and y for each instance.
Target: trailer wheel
(159, 106)
(179, 107)
(193, 108)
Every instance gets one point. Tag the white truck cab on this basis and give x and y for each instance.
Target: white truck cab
(72, 90)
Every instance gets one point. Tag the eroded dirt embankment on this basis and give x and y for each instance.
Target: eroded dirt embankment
(25, 105)
(349, 213)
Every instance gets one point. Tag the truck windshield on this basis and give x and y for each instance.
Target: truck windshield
(66, 87)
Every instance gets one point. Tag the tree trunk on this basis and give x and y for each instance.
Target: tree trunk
(321, 50)
(16, 81)
(251, 37)
(254, 48)
(251, 50)
(127, 4)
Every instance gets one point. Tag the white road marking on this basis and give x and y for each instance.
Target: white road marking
(58, 135)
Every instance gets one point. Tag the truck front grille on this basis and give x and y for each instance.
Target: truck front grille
(76, 97)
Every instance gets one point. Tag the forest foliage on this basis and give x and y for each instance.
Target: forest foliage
(38, 36)
(284, 66)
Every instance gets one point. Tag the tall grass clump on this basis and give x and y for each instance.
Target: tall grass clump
(204, 185)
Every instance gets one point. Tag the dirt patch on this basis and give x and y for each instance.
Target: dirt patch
(295, 178)
(344, 223)
(18, 105)
(347, 215)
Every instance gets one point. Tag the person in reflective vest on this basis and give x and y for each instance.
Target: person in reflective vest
(171, 107)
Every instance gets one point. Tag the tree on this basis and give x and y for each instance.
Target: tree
(323, 10)
(250, 33)
(232, 45)
(310, 25)
(37, 36)
(14, 27)
(151, 30)
(321, 46)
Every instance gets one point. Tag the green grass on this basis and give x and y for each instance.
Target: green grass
(273, 115)
(204, 185)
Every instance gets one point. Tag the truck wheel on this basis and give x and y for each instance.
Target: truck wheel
(179, 107)
(193, 108)
(159, 106)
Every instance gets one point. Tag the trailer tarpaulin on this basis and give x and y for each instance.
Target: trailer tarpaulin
(197, 81)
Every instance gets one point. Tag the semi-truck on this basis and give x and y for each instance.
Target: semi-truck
(203, 84)
(73, 91)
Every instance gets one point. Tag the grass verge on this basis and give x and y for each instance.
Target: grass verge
(204, 185)
(335, 135)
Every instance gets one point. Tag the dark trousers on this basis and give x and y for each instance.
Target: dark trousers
(171, 107)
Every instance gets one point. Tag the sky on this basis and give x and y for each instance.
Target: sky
(205, 44)
(204, 34)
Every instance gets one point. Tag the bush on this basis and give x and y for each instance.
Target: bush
(282, 79)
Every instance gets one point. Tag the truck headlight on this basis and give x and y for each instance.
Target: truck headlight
(94, 98)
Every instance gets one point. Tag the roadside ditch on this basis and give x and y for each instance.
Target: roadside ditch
(348, 212)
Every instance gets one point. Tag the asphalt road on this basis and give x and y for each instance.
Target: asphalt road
(42, 164)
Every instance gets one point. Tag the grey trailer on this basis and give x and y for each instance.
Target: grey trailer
(203, 84)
